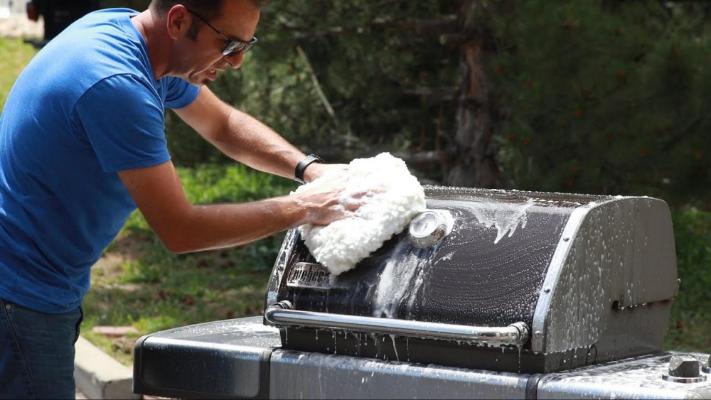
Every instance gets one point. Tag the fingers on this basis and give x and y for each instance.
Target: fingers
(331, 214)
(351, 205)
(367, 194)
(329, 200)
(319, 171)
(326, 184)
(361, 194)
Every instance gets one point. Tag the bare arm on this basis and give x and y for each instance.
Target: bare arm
(243, 138)
(184, 227)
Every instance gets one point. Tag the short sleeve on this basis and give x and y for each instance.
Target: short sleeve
(123, 120)
(180, 93)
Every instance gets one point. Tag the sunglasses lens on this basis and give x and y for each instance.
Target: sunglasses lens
(231, 48)
(238, 47)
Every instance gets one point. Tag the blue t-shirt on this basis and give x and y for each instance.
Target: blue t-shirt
(86, 107)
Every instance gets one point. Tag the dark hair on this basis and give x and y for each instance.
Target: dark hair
(209, 9)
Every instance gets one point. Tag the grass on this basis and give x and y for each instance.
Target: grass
(139, 283)
(15, 55)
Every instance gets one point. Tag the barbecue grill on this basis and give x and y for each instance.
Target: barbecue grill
(488, 293)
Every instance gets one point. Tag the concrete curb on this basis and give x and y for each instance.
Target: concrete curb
(98, 376)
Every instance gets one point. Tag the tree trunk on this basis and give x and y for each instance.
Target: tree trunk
(474, 163)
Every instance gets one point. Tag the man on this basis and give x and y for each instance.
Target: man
(82, 145)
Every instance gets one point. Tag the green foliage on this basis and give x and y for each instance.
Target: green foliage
(15, 55)
(605, 100)
(235, 183)
(693, 242)
(594, 96)
(691, 319)
(353, 56)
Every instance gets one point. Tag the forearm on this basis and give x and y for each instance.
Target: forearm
(216, 226)
(251, 142)
(240, 136)
(184, 227)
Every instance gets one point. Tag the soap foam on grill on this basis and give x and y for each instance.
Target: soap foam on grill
(394, 197)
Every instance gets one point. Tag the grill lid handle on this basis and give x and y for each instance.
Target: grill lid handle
(281, 314)
(429, 227)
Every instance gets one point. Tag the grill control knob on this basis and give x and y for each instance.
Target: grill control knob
(430, 227)
(684, 369)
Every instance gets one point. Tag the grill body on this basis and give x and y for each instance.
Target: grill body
(240, 358)
(591, 277)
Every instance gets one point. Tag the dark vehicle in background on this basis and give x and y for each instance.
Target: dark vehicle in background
(59, 14)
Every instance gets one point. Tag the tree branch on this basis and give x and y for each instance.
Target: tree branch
(317, 85)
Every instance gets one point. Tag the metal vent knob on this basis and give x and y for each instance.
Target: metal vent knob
(430, 227)
(684, 369)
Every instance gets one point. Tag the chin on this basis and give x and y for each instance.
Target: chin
(198, 78)
(202, 79)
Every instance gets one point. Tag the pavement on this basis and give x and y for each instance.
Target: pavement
(98, 376)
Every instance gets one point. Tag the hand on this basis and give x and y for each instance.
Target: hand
(317, 170)
(325, 200)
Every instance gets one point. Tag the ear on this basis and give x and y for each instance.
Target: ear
(178, 21)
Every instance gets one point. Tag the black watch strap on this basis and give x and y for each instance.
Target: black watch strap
(301, 166)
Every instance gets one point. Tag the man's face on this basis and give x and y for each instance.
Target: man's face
(199, 59)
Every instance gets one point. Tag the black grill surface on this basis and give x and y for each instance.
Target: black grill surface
(465, 279)
(481, 274)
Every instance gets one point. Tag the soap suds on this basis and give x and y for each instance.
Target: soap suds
(400, 280)
(505, 217)
(394, 197)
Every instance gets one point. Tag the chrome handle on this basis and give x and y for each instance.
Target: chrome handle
(429, 227)
(281, 314)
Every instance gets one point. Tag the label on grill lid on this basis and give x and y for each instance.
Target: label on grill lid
(309, 275)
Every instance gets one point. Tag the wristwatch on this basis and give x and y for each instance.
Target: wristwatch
(301, 166)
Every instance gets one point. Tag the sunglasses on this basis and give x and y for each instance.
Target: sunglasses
(232, 46)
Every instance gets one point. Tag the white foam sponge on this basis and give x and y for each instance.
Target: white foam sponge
(393, 198)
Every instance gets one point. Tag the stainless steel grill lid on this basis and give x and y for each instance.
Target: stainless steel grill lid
(504, 280)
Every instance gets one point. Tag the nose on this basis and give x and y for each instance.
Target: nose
(235, 60)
